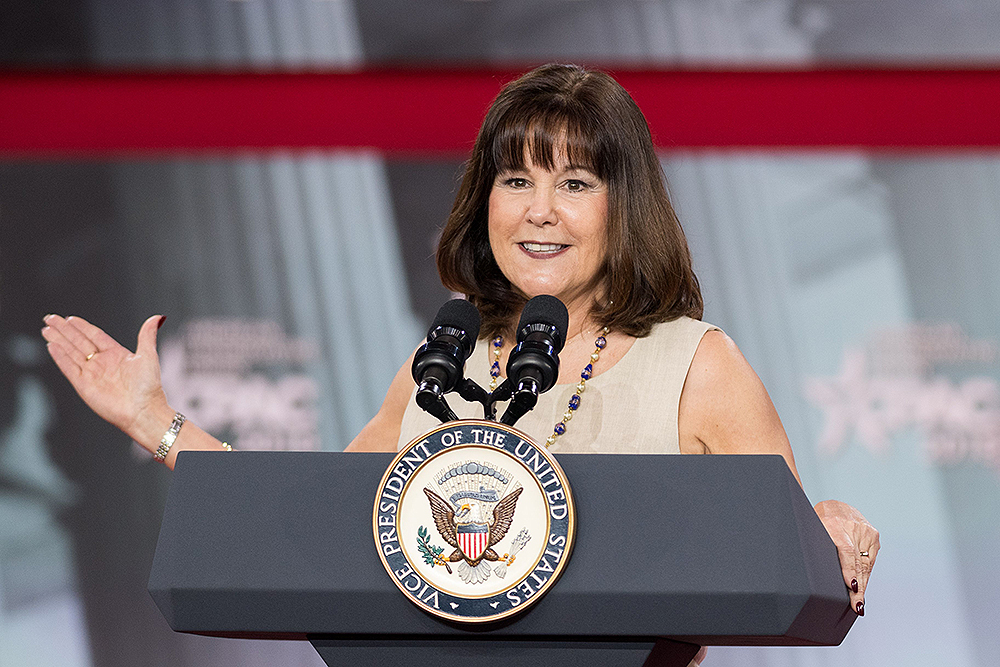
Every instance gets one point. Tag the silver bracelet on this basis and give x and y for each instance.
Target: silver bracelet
(167, 441)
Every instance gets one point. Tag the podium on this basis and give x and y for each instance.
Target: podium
(672, 552)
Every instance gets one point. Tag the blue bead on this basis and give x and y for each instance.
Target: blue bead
(587, 372)
(560, 428)
(495, 369)
(574, 402)
(498, 341)
(601, 342)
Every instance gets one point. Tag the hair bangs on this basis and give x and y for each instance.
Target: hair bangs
(540, 137)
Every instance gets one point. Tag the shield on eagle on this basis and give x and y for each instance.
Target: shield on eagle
(473, 538)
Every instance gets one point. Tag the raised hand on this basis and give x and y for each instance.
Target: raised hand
(122, 387)
(857, 545)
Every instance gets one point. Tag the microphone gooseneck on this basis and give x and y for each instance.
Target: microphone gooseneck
(439, 364)
(533, 365)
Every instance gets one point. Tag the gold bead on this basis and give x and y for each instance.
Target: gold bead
(581, 386)
(567, 416)
(595, 356)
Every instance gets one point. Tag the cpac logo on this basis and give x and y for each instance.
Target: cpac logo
(244, 380)
(897, 385)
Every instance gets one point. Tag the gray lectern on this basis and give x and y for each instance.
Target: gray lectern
(671, 552)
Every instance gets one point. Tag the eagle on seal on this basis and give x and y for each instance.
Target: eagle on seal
(472, 532)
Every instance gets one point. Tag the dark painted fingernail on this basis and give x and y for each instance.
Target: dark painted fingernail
(854, 585)
(861, 608)
(163, 318)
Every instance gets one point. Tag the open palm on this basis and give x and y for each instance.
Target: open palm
(117, 384)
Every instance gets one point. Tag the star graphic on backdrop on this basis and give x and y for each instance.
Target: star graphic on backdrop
(855, 403)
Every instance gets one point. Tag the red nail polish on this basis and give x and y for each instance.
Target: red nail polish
(861, 608)
(163, 318)
(854, 585)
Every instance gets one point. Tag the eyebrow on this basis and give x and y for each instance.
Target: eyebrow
(569, 167)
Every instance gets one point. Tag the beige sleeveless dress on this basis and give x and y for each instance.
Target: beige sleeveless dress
(630, 408)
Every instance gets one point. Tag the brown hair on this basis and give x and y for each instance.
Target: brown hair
(647, 271)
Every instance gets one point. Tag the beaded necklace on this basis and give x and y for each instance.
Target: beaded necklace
(574, 400)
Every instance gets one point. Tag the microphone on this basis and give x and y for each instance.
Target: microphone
(533, 365)
(439, 364)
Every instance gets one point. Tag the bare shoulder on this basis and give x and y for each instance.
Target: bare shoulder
(708, 400)
(382, 433)
(716, 359)
(724, 407)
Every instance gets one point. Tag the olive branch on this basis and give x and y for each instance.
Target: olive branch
(431, 553)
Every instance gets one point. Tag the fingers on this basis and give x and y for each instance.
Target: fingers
(66, 364)
(868, 562)
(68, 338)
(867, 546)
(95, 335)
(853, 536)
(79, 339)
(146, 342)
(851, 569)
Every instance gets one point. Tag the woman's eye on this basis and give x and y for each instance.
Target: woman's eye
(576, 185)
(516, 182)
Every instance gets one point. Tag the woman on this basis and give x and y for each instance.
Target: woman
(563, 195)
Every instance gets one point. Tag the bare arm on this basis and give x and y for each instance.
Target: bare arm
(124, 388)
(724, 409)
(382, 433)
(121, 386)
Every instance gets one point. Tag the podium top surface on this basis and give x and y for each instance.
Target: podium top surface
(708, 549)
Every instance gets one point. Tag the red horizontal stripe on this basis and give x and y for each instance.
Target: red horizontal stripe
(428, 111)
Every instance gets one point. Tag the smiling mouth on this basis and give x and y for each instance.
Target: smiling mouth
(542, 248)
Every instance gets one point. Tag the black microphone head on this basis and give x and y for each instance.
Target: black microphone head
(544, 312)
(440, 362)
(457, 315)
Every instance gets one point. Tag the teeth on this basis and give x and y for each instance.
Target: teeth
(542, 247)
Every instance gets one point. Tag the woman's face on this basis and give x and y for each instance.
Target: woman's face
(548, 230)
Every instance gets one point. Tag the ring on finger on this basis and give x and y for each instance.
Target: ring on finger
(91, 356)
(864, 554)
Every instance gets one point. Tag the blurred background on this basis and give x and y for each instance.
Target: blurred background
(861, 280)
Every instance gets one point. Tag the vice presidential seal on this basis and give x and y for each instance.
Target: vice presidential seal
(473, 521)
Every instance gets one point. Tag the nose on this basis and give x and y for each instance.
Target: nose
(541, 208)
